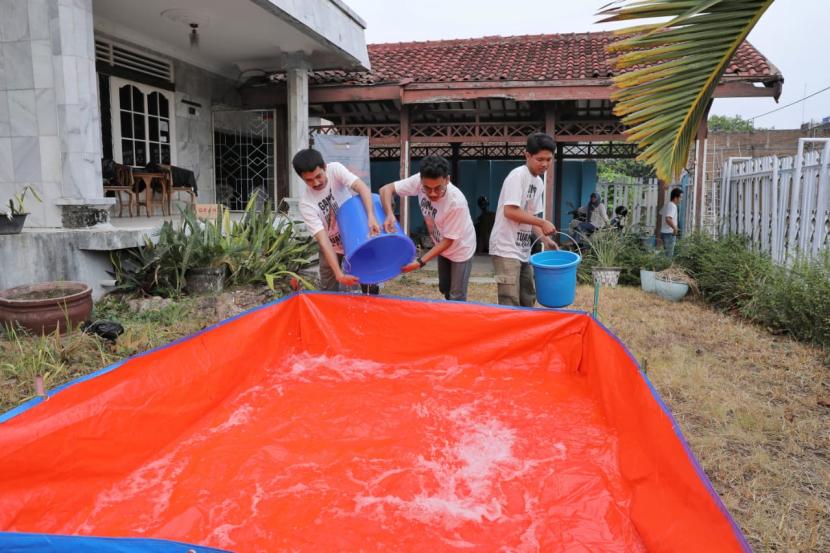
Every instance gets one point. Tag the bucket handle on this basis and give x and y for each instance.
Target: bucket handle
(563, 234)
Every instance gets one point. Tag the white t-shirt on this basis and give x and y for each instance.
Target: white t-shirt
(449, 217)
(319, 208)
(669, 210)
(509, 238)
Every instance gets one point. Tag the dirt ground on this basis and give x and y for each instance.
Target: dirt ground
(754, 407)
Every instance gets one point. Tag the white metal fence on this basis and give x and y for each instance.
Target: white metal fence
(781, 204)
(639, 196)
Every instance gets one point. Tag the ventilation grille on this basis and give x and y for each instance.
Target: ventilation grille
(119, 56)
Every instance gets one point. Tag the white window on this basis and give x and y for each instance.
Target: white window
(143, 124)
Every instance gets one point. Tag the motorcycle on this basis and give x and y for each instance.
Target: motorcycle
(581, 232)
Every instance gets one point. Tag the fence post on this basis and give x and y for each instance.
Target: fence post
(795, 193)
(820, 226)
(775, 209)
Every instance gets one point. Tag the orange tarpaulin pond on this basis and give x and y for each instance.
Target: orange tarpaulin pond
(331, 422)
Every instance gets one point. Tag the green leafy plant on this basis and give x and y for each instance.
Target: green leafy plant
(607, 247)
(257, 249)
(16, 202)
(655, 261)
(671, 69)
(788, 299)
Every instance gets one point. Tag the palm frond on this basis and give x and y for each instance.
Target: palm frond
(672, 69)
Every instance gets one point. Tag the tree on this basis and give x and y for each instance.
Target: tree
(724, 123)
(674, 67)
(610, 170)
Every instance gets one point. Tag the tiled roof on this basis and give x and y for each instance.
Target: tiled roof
(580, 56)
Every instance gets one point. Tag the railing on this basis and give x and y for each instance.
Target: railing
(781, 204)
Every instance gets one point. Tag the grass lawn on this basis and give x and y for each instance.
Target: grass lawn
(755, 407)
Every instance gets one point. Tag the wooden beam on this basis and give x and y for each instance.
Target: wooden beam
(419, 93)
(744, 89)
(589, 138)
(557, 183)
(404, 166)
(455, 176)
(365, 93)
(469, 139)
(550, 128)
(520, 94)
(700, 166)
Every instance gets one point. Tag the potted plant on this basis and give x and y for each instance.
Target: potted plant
(653, 263)
(44, 307)
(607, 246)
(673, 283)
(205, 256)
(15, 214)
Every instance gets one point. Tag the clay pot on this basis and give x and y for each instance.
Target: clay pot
(43, 307)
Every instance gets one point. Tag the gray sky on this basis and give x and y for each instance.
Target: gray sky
(792, 34)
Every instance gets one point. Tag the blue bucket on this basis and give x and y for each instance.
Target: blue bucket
(554, 273)
(375, 259)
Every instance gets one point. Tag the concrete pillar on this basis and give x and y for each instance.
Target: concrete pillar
(297, 80)
(50, 128)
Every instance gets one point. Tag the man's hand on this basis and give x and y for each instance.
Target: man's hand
(347, 280)
(548, 228)
(389, 224)
(409, 267)
(550, 244)
(374, 228)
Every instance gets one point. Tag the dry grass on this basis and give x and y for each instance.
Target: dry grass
(60, 358)
(753, 406)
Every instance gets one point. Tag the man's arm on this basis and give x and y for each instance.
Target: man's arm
(434, 252)
(387, 193)
(328, 253)
(366, 195)
(671, 223)
(517, 214)
(546, 240)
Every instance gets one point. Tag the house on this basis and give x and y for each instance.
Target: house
(139, 82)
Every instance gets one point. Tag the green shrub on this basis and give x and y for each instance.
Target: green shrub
(257, 249)
(796, 300)
(733, 277)
(629, 254)
(728, 274)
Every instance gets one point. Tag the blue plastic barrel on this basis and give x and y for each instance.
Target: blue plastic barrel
(554, 273)
(375, 259)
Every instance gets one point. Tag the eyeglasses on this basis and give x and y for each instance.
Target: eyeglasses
(434, 190)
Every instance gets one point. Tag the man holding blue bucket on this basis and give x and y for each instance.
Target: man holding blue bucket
(517, 222)
(328, 187)
(447, 217)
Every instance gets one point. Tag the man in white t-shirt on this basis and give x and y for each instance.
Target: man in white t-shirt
(447, 217)
(328, 186)
(668, 228)
(517, 222)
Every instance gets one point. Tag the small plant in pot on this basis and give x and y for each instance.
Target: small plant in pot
(652, 264)
(205, 256)
(607, 247)
(13, 217)
(673, 283)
